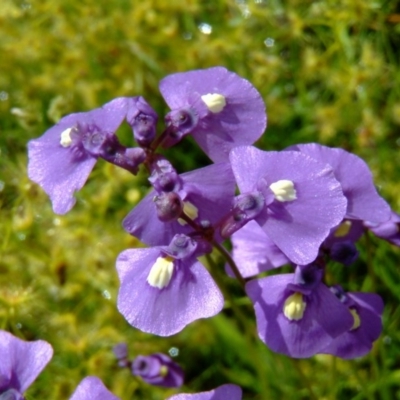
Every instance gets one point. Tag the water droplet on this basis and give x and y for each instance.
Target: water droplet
(387, 340)
(205, 28)
(21, 236)
(187, 35)
(398, 142)
(26, 6)
(245, 10)
(2, 184)
(3, 96)
(269, 42)
(18, 325)
(106, 294)
(173, 351)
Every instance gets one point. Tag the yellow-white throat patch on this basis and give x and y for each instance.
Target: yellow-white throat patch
(161, 272)
(284, 190)
(294, 307)
(215, 102)
(65, 137)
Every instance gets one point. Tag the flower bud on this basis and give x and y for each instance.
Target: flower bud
(169, 206)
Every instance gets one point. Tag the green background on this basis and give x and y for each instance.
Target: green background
(328, 72)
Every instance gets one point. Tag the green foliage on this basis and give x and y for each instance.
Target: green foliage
(328, 71)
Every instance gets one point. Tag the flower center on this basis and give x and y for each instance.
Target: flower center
(190, 210)
(215, 102)
(284, 190)
(294, 307)
(343, 229)
(161, 272)
(66, 139)
(356, 317)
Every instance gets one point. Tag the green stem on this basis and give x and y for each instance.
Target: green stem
(230, 261)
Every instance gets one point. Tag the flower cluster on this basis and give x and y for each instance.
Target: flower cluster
(302, 207)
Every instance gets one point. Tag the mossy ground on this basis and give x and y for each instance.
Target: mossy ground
(328, 71)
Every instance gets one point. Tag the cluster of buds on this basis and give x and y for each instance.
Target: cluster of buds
(303, 206)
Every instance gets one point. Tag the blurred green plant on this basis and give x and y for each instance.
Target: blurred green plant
(328, 71)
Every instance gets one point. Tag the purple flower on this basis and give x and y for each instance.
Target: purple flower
(297, 200)
(254, 252)
(363, 201)
(92, 388)
(158, 370)
(204, 195)
(366, 309)
(296, 314)
(389, 230)
(61, 160)
(224, 392)
(21, 363)
(165, 288)
(219, 108)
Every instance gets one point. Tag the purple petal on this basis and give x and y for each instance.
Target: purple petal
(191, 294)
(21, 361)
(254, 252)
(356, 179)
(242, 121)
(297, 227)
(209, 189)
(358, 342)
(92, 388)
(224, 392)
(389, 230)
(324, 317)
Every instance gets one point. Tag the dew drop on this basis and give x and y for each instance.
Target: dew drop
(3, 96)
(106, 294)
(173, 351)
(205, 28)
(269, 42)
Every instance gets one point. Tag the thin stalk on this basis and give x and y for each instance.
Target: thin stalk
(230, 261)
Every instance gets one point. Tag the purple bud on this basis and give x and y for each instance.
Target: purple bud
(344, 252)
(164, 177)
(121, 351)
(245, 208)
(143, 120)
(158, 370)
(181, 122)
(169, 206)
(181, 247)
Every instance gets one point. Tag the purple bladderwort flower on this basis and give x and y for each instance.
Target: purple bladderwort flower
(297, 314)
(92, 388)
(389, 230)
(366, 309)
(158, 370)
(363, 201)
(61, 160)
(224, 392)
(20, 364)
(219, 108)
(295, 199)
(254, 252)
(203, 195)
(163, 289)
